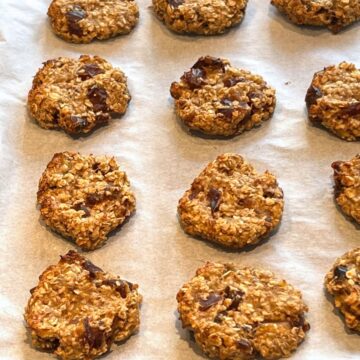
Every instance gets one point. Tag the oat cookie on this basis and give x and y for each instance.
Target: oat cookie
(343, 283)
(230, 203)
(205, 17)
(242, 312)
(347, 186)
(333, 14)
(333, 100)
(217, 99)
(84, 197)
(77, 310)
(77, 95)
(82, 21)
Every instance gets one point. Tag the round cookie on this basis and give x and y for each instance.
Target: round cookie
(77, 95)
(242, 312)
(77, 310)
(84, 197)
(205, 17)
(343, 283)
(231, 204)
(347, 186)
(333, 14)
(82, 21)
(333, 100)
(219, 100)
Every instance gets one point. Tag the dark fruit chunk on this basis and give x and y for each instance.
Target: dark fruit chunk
(340, 272)
(73, 17)
(214, 197)
(91, 268)
(211, 300)
(93, 336)
(352, 109)
(312, 95)
(220, 316)
(88, 71)
(209, 61)
(175, 3)
(98, 97)
(233, 81)
(78, 122)
(244, 345)
(82, 207)
(194, 78)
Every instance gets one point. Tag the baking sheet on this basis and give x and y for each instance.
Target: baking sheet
(162, 159)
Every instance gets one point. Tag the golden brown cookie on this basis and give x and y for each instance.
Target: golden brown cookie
(343, 283)
(77, 310)
(333, 100)
(77, 95)
(84, 197)
(242, 312)
(347, 186)
(333, 14)
(230, 203)
(217, 99)
(205, 17)
(82, 21)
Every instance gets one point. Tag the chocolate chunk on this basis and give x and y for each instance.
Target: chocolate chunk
(340, 272)
(233, 81)
(71, 256)
(227, 112)
(211, 300)
(194, 78)
(209, 61)
(73, 17)
(245, 345)
(98, 96)
(352, 109)
(175, 3)
(91, 268)
(214, 197)
(78, 122)
(93, 335)
(312, 95)
(82, 207)
(102, 118)
(56, 116)
(236, 296)
(120, 286)
(93, 199)
(220, 317)
(88, 71)
(226, 102)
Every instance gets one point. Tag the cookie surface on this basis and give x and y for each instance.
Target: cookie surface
(82, 21)
(242, 312)
(77, 310)
(343, 283)
(347, 186)
(77, 95)
(333, 14)
(84, 197)
(205, 17)
(231, 204)
(333, 100)
(217, 99)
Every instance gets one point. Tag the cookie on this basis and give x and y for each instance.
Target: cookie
(343, 283)
(230, 203)
(347, 186)
(242, 312)
(217, 99)
(333, 100)
(204, 17)
(77, 96)
(77, 310)
(84, 197)
(333, 14)
(82, 21)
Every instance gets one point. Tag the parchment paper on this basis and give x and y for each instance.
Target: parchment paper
(162, 159)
